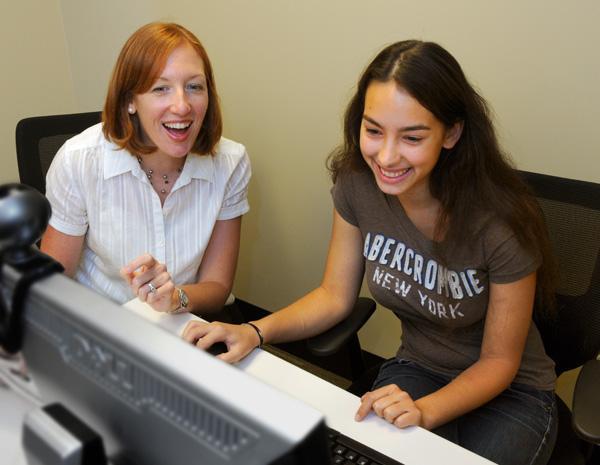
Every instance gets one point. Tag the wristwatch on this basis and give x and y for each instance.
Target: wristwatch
(183, 300)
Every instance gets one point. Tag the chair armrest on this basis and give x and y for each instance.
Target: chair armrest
(586, 402)
(332, 340)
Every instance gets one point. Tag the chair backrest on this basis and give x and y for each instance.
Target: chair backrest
(38, 139)
(572, 213)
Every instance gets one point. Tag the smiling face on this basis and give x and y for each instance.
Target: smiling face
(171, 112)
(401, 140)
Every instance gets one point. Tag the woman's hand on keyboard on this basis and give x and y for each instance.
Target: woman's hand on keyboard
(392, 404)
(239, 339)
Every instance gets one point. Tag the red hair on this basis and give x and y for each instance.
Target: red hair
(140, 63)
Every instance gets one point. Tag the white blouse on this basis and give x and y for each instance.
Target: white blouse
(98, 190)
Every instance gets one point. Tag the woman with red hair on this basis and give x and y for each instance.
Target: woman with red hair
(148, 203)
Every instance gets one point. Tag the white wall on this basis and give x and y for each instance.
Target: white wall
(35, 77)
(285, 70)
(95, 32)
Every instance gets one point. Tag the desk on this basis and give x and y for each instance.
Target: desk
(412, 446)
(15, 402)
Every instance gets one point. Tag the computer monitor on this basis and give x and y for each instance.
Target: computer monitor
(153, 398)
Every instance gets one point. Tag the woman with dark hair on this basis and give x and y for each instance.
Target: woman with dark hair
(148, 203)
(431, 212)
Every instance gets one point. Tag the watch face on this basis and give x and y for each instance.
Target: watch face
(183, 298)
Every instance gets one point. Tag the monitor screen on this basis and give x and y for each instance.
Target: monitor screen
(153, 398)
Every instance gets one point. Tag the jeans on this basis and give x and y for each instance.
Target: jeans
(518, 427)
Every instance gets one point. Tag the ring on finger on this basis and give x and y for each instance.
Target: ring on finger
(152, 288)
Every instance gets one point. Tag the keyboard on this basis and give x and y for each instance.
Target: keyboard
(347, 451)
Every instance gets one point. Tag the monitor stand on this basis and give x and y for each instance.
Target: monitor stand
(52, 435)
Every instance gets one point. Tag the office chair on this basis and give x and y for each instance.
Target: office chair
(38, 139)
(572, 213)
(345, 336)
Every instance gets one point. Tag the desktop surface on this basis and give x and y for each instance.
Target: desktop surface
(411, 446)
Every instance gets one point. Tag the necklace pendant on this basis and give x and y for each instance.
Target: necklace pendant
(163, 191)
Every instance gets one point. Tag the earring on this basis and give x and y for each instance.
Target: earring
(130, 109)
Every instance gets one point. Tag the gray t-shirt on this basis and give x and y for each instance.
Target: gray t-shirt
(442, 305)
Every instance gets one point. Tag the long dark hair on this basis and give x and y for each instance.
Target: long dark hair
(475, 175)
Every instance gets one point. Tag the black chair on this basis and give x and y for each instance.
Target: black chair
(38, 139)
(344, 336)
(572, 212)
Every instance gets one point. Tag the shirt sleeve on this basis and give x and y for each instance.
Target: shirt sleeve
(235, 202)
(63, 191)
(342, 198)
(507, 259)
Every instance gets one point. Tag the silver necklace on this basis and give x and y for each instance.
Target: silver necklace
(165, 187)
